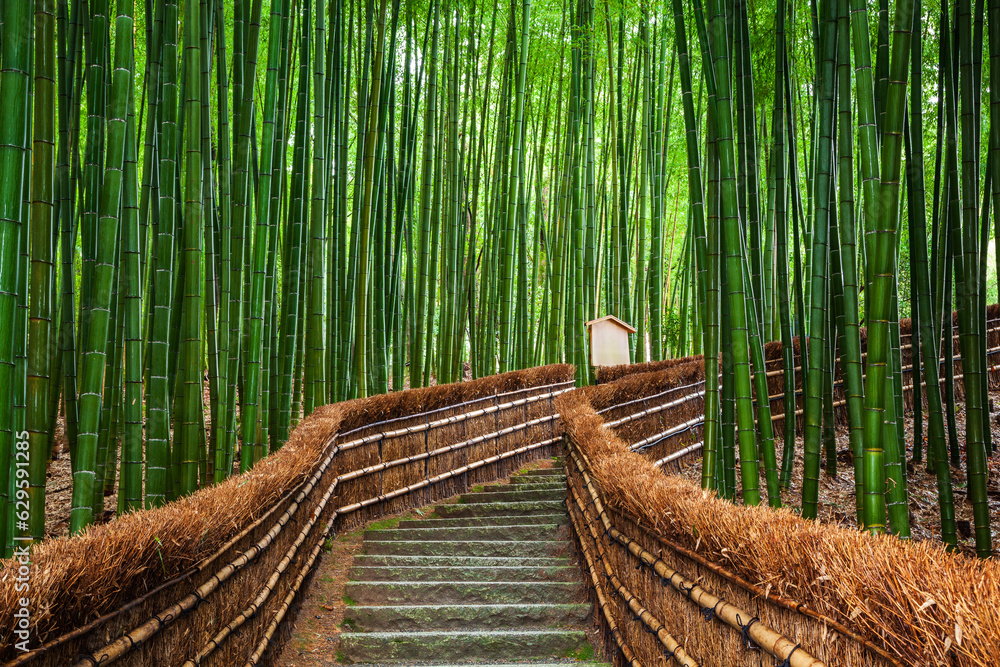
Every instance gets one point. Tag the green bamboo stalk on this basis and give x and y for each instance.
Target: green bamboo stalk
(781, 245)
(656, 240)
(577, 331)
(819, 318)
(106, 444)
(130, 487)
(851, 345)
(994, 143)
(269, 384)
(936, 448)
(739, 326)
(507, 268)
(70, 45)
(639, 299)
(162, 284)
(315, 364)
(450, 256)
(97, 65)
(882, 228)
(225, 433)
(873, 506)
(292, 273)
(967, 284)
(14, 86)
(81, 512)
(192, 409)
(41, 308)
(253, 389)
(426, 181)
(361, 316)
(212, 246)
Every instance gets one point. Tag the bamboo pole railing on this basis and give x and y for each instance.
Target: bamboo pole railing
(653, 625)
(448, 421)
(740, 620)
(677, 429)
(316, 519)
(837, 384)
(427, 413)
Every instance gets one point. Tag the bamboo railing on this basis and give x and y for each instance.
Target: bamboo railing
(659, 599)
(688, 398)
(369, 457)
(592, 521)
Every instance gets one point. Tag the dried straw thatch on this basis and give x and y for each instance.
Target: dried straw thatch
(607, 374)
(89, 589)
(923, 605)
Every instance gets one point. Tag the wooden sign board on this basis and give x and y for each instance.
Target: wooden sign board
(609, 341)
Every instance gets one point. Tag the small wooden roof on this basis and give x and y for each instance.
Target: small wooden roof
(624, 325)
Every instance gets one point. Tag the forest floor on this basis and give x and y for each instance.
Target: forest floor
(836, 491)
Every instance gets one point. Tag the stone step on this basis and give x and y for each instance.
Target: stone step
(459, 573)
(471, 533)
(462, 592)
(511, 496)
(368, 560)
(397, 647)
(547, 486)
(530, 548)
(402, 618)
(527, 507)
(510, 520)
(539, 479)
(543, 472)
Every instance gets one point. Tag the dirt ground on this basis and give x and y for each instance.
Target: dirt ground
(836, 492)
(317, 627)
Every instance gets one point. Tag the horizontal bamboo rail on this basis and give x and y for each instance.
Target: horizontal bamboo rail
(292, 504)
(191, 573)
(168, 615)
(379, 467)
(679, 454)
(676, 429)
(447, 475)
(737, 618)
(652, 623)
(448, 421)
(775, 416)
(641, 399)
(653, 410)
(785, 603)
(602, 601)
(445, 408)
(772, 373)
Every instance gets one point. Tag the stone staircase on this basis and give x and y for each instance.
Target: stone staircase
(486, 580)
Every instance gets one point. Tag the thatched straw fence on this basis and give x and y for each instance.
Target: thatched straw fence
(659, 407)
(213, 579)
(678, 572)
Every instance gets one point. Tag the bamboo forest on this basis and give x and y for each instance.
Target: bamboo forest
(217, 216)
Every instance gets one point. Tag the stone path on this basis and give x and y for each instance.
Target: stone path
(489, 580)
